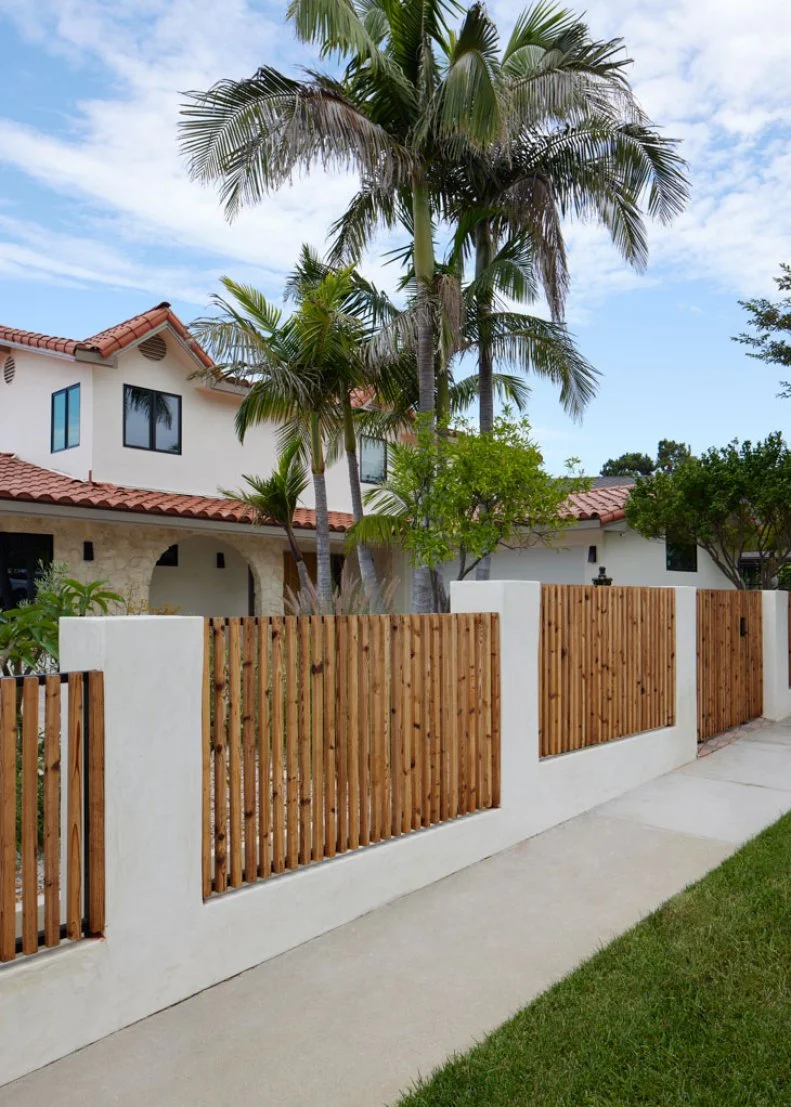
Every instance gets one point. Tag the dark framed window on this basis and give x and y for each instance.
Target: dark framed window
(681, 557)
(23, 557)
(152, 420)
(373, 460)
(65, 427)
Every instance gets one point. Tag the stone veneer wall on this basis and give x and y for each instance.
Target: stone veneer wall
(125, 554)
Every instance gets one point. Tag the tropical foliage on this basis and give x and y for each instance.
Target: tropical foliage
(732, 501)
(29, 633)
(480, 491)
(770, 336)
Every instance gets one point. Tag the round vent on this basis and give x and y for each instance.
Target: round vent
(9, 369)
(153, 348)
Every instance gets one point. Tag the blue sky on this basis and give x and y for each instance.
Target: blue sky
(98, 220)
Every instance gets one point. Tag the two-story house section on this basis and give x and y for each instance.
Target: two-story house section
(113, 451)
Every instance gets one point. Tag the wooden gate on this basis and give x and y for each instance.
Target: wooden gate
(730, 659)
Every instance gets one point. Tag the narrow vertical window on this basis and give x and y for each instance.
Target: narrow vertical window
(65, 429)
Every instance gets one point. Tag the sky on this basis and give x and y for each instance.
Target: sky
(98, 219)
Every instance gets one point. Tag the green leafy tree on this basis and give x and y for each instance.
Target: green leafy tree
(480, 491)
(770, 337)
(629, 465)
(731, 501)
(276, 497)
(670, 454)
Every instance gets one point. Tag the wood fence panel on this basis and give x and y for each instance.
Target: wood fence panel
(95, 803)
(329, 733)
(729, 659)
(29, 821)
(206, 790)
(607, 664)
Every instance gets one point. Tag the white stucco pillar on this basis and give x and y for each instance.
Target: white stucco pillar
(686, 724)
(518, 603)
(777, 694)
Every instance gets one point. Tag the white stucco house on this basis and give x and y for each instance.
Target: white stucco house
(112, 452)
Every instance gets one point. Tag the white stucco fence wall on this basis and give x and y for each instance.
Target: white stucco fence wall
(777, 693)
(162, 943)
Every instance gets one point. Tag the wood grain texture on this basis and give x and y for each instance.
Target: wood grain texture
(29, 822)
(729, 659)
(74, 809)
(95, 803)
(607, 664)
(52, 784)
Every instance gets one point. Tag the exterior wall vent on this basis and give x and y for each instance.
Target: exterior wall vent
(153, 348)
(9, 369)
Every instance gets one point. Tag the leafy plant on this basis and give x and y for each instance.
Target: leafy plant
(349, 598)
(458, 496)
(29, 633)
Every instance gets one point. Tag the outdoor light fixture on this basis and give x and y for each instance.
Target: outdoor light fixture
(602, 578)
(87, 551)
(220, 560)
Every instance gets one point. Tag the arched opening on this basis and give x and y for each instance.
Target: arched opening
(202, 576)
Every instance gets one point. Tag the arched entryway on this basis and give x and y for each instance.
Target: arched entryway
(202, 576)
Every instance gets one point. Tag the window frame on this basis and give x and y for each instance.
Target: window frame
(53, 449)
(680, 546)
(152, 425)
(383, 442)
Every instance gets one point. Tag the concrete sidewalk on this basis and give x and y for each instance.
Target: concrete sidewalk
(351, 1018)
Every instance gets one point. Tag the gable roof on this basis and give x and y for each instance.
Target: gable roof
(23, 482)
(110, 341)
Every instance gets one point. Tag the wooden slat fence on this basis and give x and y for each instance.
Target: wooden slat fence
(607, 664)
(730, 659)
(329, 733)
(51, 810)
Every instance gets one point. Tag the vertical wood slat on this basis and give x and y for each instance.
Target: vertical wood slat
(347, 729)
(317, 734)
(206, 763)
(292, 751)
(220, 759)
(265, 788)
(330, 786)
(74, 807)
(96, 806)
(353, 740)
(364, 745)
(607, 664)
(303, 741)
(729, 664)
(234, 751)
(7, 820)
(248, 750)
(52, 785)
(278, 741)
(29, 821)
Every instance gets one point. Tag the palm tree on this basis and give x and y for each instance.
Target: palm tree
(276, 498)
(306, 373)
(410, 88)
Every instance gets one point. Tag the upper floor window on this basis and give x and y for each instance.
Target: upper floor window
(152, 420)
(373, 460)
(681, 558)
(65, 432)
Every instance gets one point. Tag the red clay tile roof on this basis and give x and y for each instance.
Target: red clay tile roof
(24, 482)
(110, 341)
(605, 504)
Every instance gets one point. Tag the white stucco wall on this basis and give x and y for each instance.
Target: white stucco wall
(162, 942)
(196, 586)
(26, 412)
(212, 457)
(633, 560)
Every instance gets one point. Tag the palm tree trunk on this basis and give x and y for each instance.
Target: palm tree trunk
(365, 560)
(423, 253)
(483, 259)
(323, 569)
(305, 584)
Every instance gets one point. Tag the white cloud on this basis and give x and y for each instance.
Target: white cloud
(700, 70)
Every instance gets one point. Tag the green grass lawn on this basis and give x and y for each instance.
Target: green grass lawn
(692, 1007)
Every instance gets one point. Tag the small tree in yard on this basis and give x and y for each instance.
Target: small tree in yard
(479, 491)
(731, 501)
